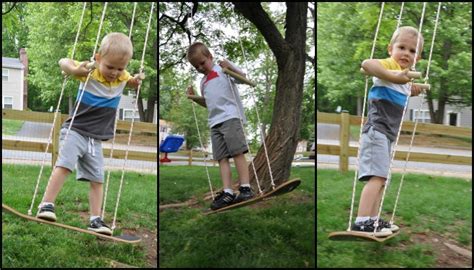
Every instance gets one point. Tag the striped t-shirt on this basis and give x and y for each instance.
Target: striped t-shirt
(386, 103)
(95, 116)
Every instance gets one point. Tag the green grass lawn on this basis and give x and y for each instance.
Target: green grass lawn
(27, 244)
(275, 233)
(11, 127)
(430, 207)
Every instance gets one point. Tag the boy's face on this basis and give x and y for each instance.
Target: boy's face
(403, 50)
(112, 66)
(202, 63)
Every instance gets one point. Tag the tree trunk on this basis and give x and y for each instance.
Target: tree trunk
(140, 107)
(150, 105)
(70, 105)
(282, 138)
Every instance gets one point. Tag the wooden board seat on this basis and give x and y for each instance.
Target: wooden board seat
(359, 236)
(129, 239)
(281, 189)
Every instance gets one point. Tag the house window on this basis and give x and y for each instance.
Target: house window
(132, 93)
(128, 114)
(423, 116)
(453, 118)
(5, 74)
(7, 102)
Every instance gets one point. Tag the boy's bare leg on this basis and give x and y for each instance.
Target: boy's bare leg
(226, 174)
(242, 169)
(370, 196)
(375, 207)
(55, 184)
(95, 198)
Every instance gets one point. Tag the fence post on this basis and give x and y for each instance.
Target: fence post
(55, 142)
(344, 142)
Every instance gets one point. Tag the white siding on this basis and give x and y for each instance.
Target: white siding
(14, 87)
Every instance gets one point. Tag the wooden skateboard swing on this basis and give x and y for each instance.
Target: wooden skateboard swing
(129, 239)
(359, 236)
(281, 189)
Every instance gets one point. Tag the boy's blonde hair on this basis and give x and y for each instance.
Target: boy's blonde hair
(116, 43)
(195, 48)
(407, 30)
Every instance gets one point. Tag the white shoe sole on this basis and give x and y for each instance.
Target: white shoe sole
(50, 216)
(394, 228)
(382, 233)
(101, 230)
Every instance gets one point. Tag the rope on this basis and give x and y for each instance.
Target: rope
(242, 114)
(202, 147)
(190, 26)
(81, 92)
(416, 119)
(259, 122)
(133, 118)
(30, 213)
(401, 121)
(245, 133)
(115, 130)
(389, 177)
(400, 15)
(362, 117)
(90, 72)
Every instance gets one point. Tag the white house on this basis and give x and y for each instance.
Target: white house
(453, 116)
(127, 105)
(14, 82)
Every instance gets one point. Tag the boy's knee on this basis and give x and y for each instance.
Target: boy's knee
(62, 170)
(96, 184)
(379, 180)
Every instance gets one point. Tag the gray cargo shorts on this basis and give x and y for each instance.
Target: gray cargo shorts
(228, 139)
(374, 159)
(83, 151)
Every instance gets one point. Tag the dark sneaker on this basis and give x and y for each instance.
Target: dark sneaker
(386, 224)
(47, 213)
(223, 199)
(245, 193)
(368, 227)
(98, 226)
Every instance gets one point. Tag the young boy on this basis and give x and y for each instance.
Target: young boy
(225, 111)
(93, 123)
(387, 99)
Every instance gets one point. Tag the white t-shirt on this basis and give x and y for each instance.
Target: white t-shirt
(222, 98)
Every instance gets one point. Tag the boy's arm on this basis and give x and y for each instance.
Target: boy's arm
(226, 64)
(198, 99)
(135, 81)
(70, 68)
(235, 72)
(374, 68)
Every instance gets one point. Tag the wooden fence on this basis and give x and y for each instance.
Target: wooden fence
(344, 120)
(54, 147)
(189, 156)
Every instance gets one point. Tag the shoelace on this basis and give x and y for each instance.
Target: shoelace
(100, 222)
(244, 189)
(219, 196)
